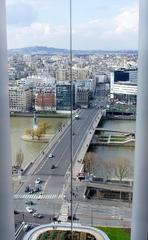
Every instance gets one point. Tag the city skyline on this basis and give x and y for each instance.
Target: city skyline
(96, 25)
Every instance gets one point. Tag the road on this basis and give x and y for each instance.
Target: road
(55, 181)
(61, 150)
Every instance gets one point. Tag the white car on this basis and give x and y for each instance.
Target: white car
(37, 181)
(50, 155)
(29, 209)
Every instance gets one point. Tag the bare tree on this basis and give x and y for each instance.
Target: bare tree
(89, 162)
(122, 168)
(107, 168)
(19, 159)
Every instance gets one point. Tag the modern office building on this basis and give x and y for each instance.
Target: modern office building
(123, 85)
(63, 96)
(126, 75)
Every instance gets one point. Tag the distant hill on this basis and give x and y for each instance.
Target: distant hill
(41, 50)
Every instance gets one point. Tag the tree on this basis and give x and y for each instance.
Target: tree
(89, 162)
(107, 167)
(38, 133)
(30, 132)
(19, 159)
(121, 168)
(44, 126)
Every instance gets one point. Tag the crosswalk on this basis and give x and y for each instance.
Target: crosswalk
(41, 196)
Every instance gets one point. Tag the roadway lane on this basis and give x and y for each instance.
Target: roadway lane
(61, 150)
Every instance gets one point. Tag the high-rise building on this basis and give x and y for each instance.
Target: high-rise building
(63, 96)
(83, 98)
(123, 85)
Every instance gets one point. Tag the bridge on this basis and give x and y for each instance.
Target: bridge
(54, 171)
(83, 131)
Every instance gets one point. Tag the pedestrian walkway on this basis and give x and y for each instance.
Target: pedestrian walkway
(35, 196)
(63, 216)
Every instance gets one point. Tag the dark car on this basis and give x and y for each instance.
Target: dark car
(53, 167)
(16, 212)
(74, 217)
(29, 203)
(27, 189)
(31, 191)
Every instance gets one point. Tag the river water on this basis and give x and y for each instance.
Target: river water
(105, 153)
(30, 149)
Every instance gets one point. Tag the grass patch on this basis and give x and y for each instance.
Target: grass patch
(116, 233)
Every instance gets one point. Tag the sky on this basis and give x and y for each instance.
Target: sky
(96, 24)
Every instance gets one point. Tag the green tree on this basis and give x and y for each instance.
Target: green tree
(44, 126)
(28, 131)
(38, 133)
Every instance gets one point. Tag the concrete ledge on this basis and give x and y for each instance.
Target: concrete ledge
(34, 233)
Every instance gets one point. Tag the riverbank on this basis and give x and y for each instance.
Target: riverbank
(40, 114)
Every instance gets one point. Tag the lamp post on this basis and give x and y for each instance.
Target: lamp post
(6, 195)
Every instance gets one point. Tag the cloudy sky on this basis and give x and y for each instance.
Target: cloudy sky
(97, 24)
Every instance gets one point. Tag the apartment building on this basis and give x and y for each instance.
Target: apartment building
(45, 101)
(20, 99)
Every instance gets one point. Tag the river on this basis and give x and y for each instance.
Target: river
(105, 153)
(30, 149)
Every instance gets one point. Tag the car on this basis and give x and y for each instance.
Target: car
(79, 160)
(37, 215)
(74, 217)
(27, 189)
(27, 227)
(37, 181)
(77, 116)
(50, 155)
(16, 212)
(30, 210)
(53, 166)
(29, 203)
(31, 191)
(37, 189)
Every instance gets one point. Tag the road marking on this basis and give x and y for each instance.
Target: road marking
(34, 196)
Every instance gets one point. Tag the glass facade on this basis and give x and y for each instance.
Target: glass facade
(63, 97)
